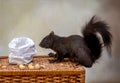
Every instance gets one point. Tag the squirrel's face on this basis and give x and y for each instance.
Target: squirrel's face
(47, 41)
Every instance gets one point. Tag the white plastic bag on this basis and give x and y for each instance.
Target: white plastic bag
(21, 50)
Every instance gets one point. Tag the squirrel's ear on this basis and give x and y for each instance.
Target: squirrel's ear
(52, 33)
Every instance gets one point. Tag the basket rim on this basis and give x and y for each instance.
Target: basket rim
(38, 72)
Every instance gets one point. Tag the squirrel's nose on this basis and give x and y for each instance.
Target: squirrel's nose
(39, 44)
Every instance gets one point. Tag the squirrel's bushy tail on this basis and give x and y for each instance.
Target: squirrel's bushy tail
(92, 40)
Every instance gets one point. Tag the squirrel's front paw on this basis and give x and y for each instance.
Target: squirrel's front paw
(51, 54)
(52, 60)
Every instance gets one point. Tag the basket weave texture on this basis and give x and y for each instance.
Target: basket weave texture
(64, 72)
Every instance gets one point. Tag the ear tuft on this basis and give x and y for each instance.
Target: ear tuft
(52, 33)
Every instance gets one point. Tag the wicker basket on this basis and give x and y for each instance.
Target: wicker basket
(65, 72)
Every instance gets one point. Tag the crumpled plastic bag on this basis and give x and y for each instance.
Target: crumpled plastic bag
(21, 50)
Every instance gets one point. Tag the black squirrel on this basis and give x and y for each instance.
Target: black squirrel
(82, 50)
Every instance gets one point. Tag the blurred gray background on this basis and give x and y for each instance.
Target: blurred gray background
(37, 18)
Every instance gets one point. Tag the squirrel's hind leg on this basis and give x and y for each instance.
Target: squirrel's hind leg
(83, 58)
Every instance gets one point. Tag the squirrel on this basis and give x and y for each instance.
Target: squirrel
(83, 50)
